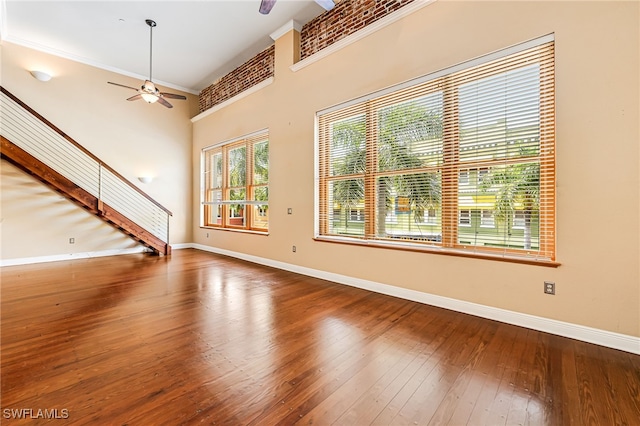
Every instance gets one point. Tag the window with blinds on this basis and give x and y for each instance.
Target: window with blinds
(461, 161)
(236, 183)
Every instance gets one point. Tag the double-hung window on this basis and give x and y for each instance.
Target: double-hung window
(471, 148)
(236, 183)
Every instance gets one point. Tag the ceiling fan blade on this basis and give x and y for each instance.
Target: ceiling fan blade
(266, 6)
(122, 85)
(173, 96)
(326, 4)
(149, 92)
(164, 102)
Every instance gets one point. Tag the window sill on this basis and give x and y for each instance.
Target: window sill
(242, 231)
(441, 251)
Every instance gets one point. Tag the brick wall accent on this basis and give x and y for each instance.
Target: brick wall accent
(252, 72)
(347, 17)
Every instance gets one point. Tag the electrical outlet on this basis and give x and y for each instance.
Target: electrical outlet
(72, 240)
(207, 235)
(293, 249)
(549, 287)
(290, 211)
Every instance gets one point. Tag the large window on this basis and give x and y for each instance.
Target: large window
(236, 184)
(471, 148)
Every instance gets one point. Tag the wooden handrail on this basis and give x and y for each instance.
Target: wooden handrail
(41, 171)
(83, 149)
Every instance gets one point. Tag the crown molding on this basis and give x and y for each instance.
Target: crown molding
(95, 64)
(291, 25)
(234, 99)
(3, 20)
(360, 34)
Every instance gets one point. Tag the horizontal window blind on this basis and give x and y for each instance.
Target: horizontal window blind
(462, 162)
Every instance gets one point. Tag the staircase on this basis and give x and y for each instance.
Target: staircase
(39, 148)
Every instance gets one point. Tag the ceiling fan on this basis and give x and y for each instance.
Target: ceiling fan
(149, 92)
(267, 5)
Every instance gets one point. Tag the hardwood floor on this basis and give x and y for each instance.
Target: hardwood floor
(197, 338)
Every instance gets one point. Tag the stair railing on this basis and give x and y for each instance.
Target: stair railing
(36, 135)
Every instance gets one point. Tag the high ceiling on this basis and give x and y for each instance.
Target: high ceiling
(194, 43)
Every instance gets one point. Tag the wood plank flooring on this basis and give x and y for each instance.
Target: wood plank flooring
(197, 338)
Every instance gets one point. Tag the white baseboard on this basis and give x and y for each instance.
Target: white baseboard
(84, 255)
(180, 246)
(71, 256)
(574, 331)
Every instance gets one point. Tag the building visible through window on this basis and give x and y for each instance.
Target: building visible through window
(236, 183)
(463, 158)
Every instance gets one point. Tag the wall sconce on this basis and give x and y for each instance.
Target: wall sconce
(145, 179)
(41, 75)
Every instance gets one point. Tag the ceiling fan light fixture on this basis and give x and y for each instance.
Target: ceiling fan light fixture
(149, 92)
(149, 97)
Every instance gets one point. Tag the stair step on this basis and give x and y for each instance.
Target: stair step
(42, 172)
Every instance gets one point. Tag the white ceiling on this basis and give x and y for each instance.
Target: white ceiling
(194, 43)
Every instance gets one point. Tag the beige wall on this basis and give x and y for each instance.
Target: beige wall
(37, 221)
(598, 197)
(134, 138)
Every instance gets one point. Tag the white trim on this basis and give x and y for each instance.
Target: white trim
(574, 331)
(181, 246)
(80, 59)
(4, 29)
(291, 25)
(71, 256)
(360, 34)
(491, 219)
(84, 255)
(236, 98)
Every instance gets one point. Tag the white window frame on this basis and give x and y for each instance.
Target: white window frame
(430, 217)
(518, 223)
(464, 214)
(487, 219)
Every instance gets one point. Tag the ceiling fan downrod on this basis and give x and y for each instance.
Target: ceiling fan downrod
(151, 23)
(149, 92)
